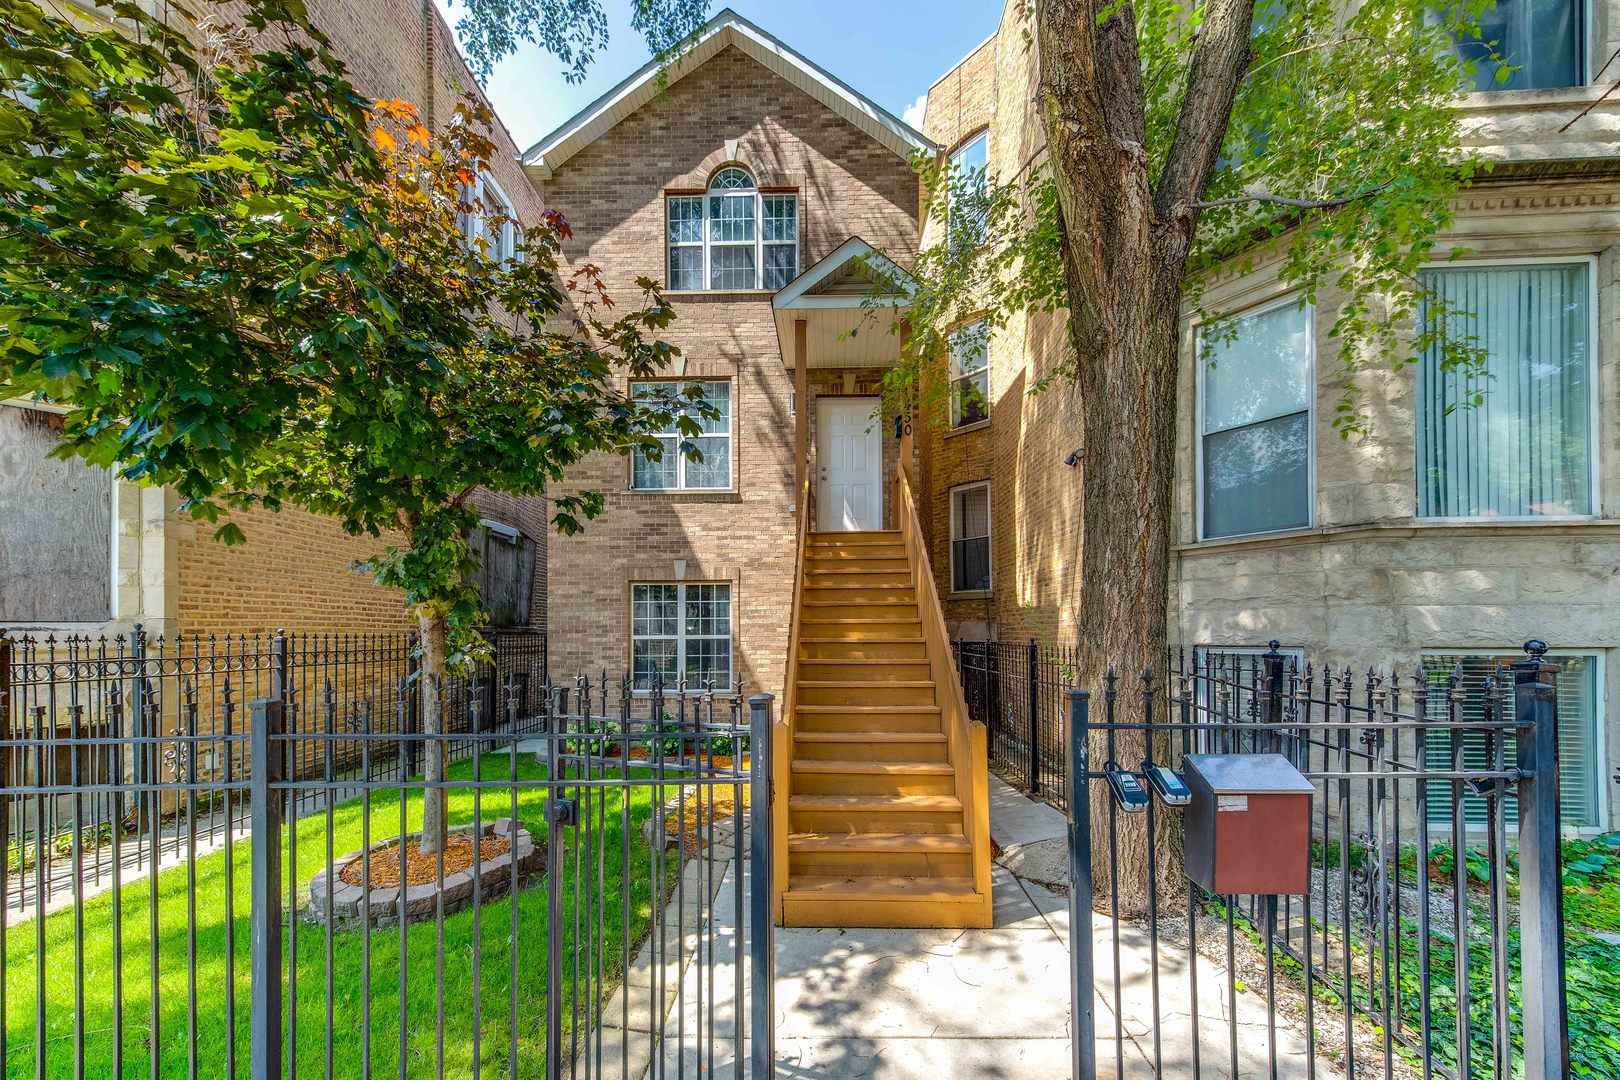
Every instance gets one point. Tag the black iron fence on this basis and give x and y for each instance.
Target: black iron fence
(1424, 935)
(1018, 691)
(215, 866)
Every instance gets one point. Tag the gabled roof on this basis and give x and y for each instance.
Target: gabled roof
(726, 28)
(843, 280)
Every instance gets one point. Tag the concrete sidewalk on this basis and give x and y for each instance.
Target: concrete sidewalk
(941, 1004)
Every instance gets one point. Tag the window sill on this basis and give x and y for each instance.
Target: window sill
(970, 594)
(964, 429)
(684, 495)
(1545, 98)
(721, 294)
(1406, 529)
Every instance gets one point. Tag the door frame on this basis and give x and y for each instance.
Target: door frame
(877, 468)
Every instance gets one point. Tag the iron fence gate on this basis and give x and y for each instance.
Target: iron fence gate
(221, 890)
(1402, 959)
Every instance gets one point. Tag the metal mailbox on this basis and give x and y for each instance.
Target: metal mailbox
(1248, 826)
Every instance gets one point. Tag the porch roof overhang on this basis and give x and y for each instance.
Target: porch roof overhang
(850, 303)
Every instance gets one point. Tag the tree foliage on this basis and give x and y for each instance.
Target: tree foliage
(1341, 158)
(245, 281)
(570, 30)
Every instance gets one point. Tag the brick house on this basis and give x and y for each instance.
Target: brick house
(82, 552)
(1407, 545)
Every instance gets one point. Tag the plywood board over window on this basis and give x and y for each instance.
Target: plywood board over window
(55, 526)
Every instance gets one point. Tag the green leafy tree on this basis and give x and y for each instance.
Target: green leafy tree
(1180, 137)
(245, 281)
(570, 30)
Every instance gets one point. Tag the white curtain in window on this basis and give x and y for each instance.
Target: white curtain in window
(1526, 449)
(1256, 422)
(1580, 759)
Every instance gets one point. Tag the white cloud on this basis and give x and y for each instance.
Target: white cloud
(914, 112)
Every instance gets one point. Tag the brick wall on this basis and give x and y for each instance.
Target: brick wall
(612, 192)
(295, 570)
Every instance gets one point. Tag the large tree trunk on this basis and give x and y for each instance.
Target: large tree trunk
(1127, 238)
(433, 659)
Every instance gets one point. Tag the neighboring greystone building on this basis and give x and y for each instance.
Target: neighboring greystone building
(81, 552)
(1440, 537)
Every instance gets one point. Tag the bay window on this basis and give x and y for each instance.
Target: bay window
(1516, 440)
(1255, 442)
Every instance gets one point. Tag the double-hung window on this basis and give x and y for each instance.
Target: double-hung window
(970, 538)
(733, 237)
(969, 166)
(680, 631)
(1255, 437)
(1528, 45)
(970, 374)
(671, 469)
(1580, 756)
(489, 220)
(1515, 441)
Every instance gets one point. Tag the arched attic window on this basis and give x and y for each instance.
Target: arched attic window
(734, 236)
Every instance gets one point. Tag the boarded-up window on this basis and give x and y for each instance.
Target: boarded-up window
(55, 526)
(505, 577)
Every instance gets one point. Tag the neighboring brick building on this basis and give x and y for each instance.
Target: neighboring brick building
(166, 571)
(1405, 545)
(696, 561)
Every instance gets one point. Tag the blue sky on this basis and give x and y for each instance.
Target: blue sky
(889, 50)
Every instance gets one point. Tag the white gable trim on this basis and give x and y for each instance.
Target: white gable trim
(726, 28)
(797, 294)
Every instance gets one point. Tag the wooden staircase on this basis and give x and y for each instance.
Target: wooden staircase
(882, 779)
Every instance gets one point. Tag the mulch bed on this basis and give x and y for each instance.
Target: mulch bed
(705, 808)
(422, 869)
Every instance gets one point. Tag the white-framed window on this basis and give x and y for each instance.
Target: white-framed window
(733, 237)
(1520, 441)
(970, 374)
(970, 165)
(681, 631)
(673, 470)
(1529, 45)
(1255, 444)
(970, 538)
(487, 200)
(1228, 676)
(1580, 727)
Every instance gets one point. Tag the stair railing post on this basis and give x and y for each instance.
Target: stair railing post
(1541, 888)
(1082, 969)
(762, 875)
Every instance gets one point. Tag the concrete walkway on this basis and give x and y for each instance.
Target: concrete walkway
(941, 1004)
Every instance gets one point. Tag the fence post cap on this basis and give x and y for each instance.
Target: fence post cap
(761, 699)
(1535, 648)
(1073, 692)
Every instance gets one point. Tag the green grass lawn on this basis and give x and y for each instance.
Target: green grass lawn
(214, 1022)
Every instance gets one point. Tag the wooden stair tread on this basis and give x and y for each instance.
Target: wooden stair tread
(874, 768)
(869, 736)
(926, 843)
(880, 888)
(878, 804)
(867, 710)
(822, 684)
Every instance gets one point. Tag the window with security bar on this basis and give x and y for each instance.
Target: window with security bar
(1579, 754)
(670, 468)
(733, 237)
(970, 538)
(680, 631)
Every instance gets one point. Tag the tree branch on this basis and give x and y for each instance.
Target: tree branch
(1601, 98)
(1285, 200)
(1219, 58)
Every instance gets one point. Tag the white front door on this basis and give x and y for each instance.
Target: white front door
(849, 464)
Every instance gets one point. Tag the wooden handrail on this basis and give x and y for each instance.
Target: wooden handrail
(966, 741)
(786, 722)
